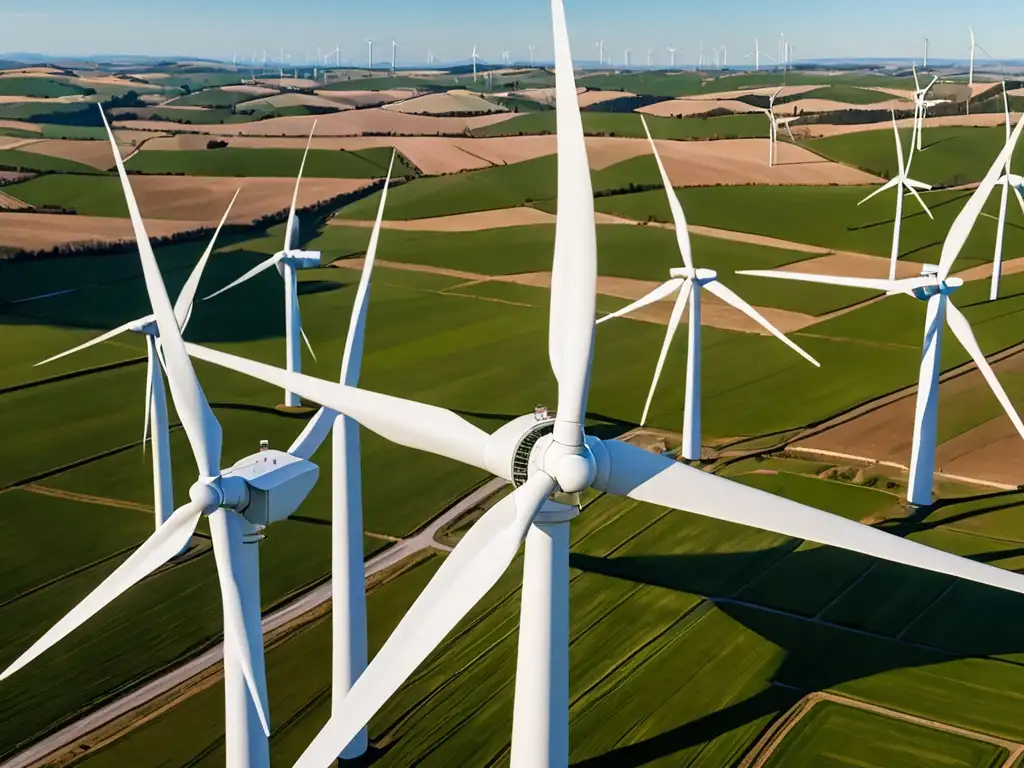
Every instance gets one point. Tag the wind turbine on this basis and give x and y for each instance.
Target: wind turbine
(533, 49)
(542, 455)
(475, 59)
(934, 287)
(974, 48)
(370, 56)
(757, 53)
(1007, 181)
(901, 182)
(689, 282)
(650, 58)
(600, 52)
(672, 57)
(336, 52)
(773, 128)
(504, 55)
(927, 42)
(348, 584)
(782, 50)
(156, 396)
(625, 58)
(288, 261)
(239, 503)
(700, 56)
(725, 56)
(394, 56)
(921, 104)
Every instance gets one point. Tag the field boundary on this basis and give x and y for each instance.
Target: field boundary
(765, 747)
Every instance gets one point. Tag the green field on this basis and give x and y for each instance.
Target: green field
(42, 111)
(210, 116)
(645, 83)
(834, 736)
(231, 161)
(40, 87)
(849, 94)
(951, 156)
(628, 125)
(213, 97)
(19, 160)
(87, 195)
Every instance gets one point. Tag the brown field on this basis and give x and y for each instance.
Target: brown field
(291, 82)
(589, 98)
(967, 121)
(367, 98)
(350, 123)
(992, 451)
(95, 153)
(28, 71)
(689, 107)
(42, 231)
(295, 100)
(20, 125)
(462, 222)
(14, 142)
(825, 105)
(443, 103)
(10, 177)
(10, 203)
(899, 93)
(33, 100)
(853, 265)
(789, 90)
(249, 90)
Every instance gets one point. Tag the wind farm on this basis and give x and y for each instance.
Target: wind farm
(469, 497)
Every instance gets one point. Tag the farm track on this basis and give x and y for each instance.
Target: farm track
(102, 501)
(764, 749)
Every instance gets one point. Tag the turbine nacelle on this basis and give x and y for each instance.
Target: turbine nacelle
(275, 484)
(698, 275)
(147, 326)
(299, 259)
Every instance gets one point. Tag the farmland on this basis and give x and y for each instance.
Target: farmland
(689, 637)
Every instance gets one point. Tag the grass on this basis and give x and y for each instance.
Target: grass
(386, 83)
(952, 156)
(213, 97)
(41, 111)
(18, 160)
(87, 195)
(645, 83)
(827, 216)
(628, 125)
(832, 735)
(848, 94)
(229, 161)
(40, 87)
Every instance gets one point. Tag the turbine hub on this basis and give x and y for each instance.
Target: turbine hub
(206, 495)
(571, 466)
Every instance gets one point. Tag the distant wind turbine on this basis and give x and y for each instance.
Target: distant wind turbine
(369, 64)
(394, 56)
(672, 57)
(757, 53)
(533, 50)
(1007, 181)
(774, 124)
(901, 182)
(475, 59)
(600, 51)
(921, 105)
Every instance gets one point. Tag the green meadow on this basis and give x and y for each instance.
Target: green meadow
(20, 160)
(231, 161)
(628, 125)
(213, 97)
(950, 156)
(40, 87)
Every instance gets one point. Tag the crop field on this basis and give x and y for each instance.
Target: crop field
(17, 160)
(39, 111)
(213, 97)
(40, 87)
(211, 116)
(848, 94)
(230, 161)
(629, 125)
(828, 217)
(953, 156)
(830, 733)
(707, 666)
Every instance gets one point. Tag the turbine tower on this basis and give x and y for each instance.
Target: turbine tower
(1007, 181)
(348, 585)
(542, 454)
(927, 43)
(672, 58)
(239, 502)
(288, 261)
(156, 395)
(689, 282)
(921, 105)
(533, 50)
(934, 287)
(901, 182)
(774, 123)
(600, 52)
(369, 64)
(475, 60)
(394, 56)
(757, 53)
(650, 58)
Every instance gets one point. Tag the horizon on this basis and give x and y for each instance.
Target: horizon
(447, 28)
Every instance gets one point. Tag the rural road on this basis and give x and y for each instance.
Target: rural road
(70, 734)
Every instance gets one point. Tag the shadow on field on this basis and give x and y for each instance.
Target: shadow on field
(876, 618)
(887, 222)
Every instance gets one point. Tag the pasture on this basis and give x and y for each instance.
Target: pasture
(41, 87)
(629, 126)
(18, 160)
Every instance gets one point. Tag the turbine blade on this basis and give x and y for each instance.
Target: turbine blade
(899, 146)
(187, 297)
(295, 194)
(309, 346)
(678, 217)
(968, 215)
(150, 376)
(873, 284)
(655, 479)
(201, 426)
(913, 191)
(884, 188)
(168, 540)
(659, 293)
(261, 267)
(1020, 198)
(467, 574)
(574, 272)
(729, 296)
(673, 324)
(962, 330)
(352, 360)
(403, 422)
(98, 340)
(313, 436)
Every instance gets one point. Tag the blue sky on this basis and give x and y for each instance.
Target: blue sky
(818, 28)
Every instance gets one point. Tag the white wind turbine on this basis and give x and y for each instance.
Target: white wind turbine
(369, 60)
(774, 123)
(504, 55)
(757, 53)
(394, 56)
(901, 182)
(288, 261)
(156, 395)
(934, 287)
(238, 502)
(600, 52)
(475, 60)
(533, 50)
(625, 58)
(543, 455)
(1007, 181)
(348, 585)
(689, 282)
(672, 57)
(921, 105)
(700, 55)
(650, 57)
(927, 43)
